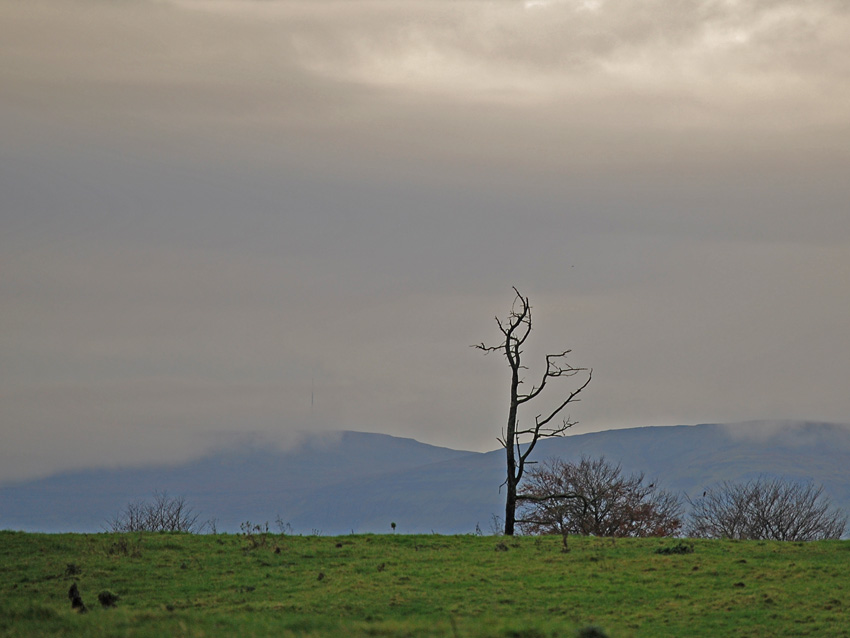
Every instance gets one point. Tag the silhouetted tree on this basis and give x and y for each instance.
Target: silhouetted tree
(596, 499)
(519, 440)
(766, 509)
(163, 514)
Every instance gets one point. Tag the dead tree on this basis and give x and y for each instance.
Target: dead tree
(518, 440)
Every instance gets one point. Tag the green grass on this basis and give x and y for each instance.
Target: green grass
(396, 585)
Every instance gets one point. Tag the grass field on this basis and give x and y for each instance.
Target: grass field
(397, 585)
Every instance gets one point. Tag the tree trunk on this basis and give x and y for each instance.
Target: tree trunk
(510, 448)
(510, 499)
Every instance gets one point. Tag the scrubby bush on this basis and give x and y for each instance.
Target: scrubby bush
(163, 514)
(766, 509)
(594, 498)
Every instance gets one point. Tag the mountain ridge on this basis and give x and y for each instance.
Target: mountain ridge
(361, 482)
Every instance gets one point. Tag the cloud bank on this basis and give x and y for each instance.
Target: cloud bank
(213, 208)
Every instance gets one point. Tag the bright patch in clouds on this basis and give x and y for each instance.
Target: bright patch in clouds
(510, 54)
(582, 5)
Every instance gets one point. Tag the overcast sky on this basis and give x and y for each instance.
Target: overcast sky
(213, 210)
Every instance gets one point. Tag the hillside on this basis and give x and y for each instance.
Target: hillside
(418, 586)
(360, 482)
(247, 482)
(688, 458)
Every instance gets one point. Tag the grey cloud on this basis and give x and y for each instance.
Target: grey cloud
(492, 52)
(206, 204)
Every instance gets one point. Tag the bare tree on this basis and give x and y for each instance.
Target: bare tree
(606, 502)
(519, 440)
(766, 509)
(164, 514)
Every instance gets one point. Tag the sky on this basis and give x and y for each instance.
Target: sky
(223, 219)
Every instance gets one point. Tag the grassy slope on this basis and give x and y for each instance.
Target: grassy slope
(182, 585)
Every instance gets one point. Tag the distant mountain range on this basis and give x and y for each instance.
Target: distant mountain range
(360, 482)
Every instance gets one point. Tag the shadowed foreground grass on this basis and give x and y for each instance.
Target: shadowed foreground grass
(452, 586)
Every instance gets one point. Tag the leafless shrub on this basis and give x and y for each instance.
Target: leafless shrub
(283, 527)
(255, 535)
(766, 509)
(594, 498)
(163, 514)
(497, 525)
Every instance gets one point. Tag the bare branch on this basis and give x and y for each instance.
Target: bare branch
(485, 348)
(550, 497)
(570, 399)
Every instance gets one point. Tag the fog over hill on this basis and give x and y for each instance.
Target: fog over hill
(360, 482)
